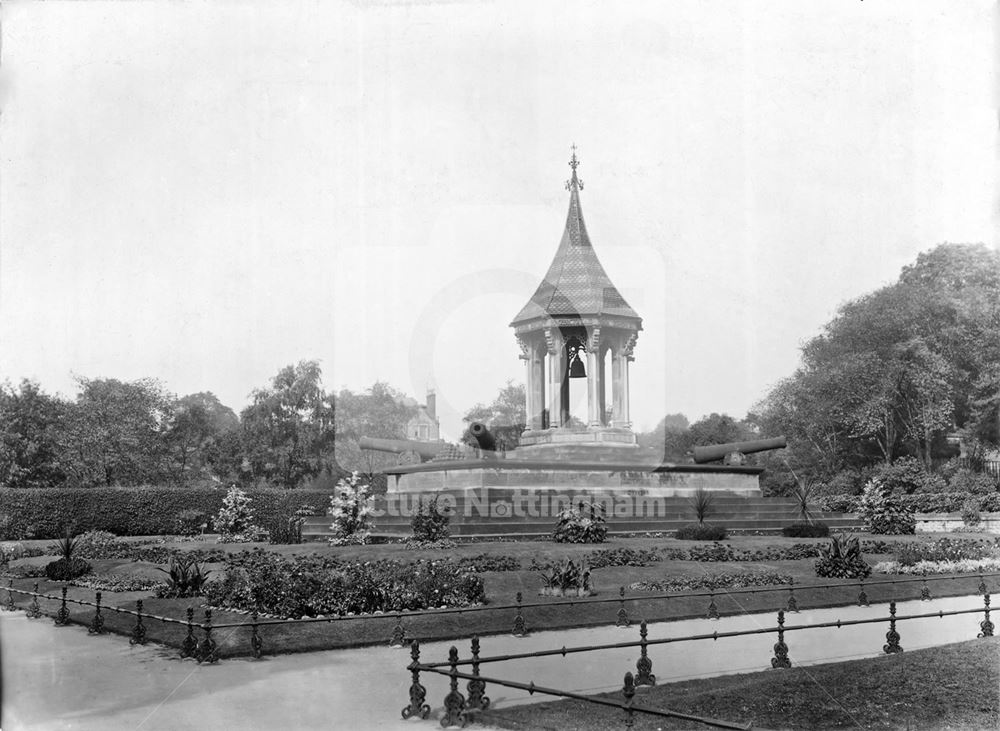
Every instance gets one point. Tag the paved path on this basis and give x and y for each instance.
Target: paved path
(62, 678)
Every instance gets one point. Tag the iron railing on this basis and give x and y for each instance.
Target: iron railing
(207, 648)
(459, 709)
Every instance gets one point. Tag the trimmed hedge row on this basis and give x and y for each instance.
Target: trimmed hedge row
(931, 502)
(133, 511)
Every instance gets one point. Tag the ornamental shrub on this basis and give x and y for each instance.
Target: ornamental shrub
(430, 523)
(701, 532)
(351, 509)
(905, 476)
(972, 483)
(970, 512)
(235, 519)
(64, 569)
(883, 513)
(185, 578)
(842, 559)
(806, 530)
(583, 524)
(566, 578)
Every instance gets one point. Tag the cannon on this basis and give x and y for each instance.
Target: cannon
(484, 438)
(733, 452)
(409, 450)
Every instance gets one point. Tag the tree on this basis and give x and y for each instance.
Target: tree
(898, 369)
(381, 412)
(193, 437)
(114, 433)
(289, 430)
(505, 416)
(669, 435)
(29, 437)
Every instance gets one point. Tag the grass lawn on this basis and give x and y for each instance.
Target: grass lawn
(501, 588)
(949, 687)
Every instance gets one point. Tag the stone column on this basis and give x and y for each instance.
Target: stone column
(616, 385)
(593, 383)
(626, 418)
(556, 366)
(528, 357)
(602, 376)
(538, 389)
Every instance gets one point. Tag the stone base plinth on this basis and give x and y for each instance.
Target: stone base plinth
(525, 475)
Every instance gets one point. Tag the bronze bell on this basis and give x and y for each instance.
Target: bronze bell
(576, 367)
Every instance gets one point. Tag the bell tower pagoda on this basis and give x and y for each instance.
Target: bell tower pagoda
(572, 322)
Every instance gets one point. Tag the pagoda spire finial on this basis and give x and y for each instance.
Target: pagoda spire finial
(574, 183)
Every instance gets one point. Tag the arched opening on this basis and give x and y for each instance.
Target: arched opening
(607, 394)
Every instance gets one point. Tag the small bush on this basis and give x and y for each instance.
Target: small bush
(972, 483)
(806, 530)
(235, 519)
(429, 523)
(701, 532)
(64, 569)
(190, 522)
(565, 579)
(842, 559)
(622, 557)
(185, 578)
(100, 544)
(884, 514)
(970, 512)
(905, 476)
(351, 509)
(582, 524)
(490, 562)
(116, 582)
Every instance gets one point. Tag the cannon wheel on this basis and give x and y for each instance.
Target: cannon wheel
(409, 457)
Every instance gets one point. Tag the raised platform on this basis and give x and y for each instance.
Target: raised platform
(628, 477)
(514, 513)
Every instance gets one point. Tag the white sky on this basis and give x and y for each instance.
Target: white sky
(205, 192)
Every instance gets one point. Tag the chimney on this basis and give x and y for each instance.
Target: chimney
(432, 405)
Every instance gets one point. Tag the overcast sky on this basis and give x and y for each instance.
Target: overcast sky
(206, 192)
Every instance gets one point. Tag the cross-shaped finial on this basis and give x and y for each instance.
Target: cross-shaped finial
(574, 182)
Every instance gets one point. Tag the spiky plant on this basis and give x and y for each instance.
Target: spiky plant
(701, 504)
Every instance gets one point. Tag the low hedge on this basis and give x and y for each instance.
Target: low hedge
(45, 512)
(930, 502)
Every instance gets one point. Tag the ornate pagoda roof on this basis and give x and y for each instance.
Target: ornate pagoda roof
(576, 285)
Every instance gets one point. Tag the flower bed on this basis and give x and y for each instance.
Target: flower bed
(307, 586)
(718, 581)
(116, 582)
(962, 566)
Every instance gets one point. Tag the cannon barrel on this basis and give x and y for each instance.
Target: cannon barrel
(718, 451)
(487, 442)
(426, 450)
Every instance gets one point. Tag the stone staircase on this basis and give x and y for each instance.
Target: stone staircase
(498, 513)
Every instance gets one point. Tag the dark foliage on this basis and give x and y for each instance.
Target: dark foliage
(64, 569)
(806, 530)
(842, 559)
(701, 532)
(430, 523)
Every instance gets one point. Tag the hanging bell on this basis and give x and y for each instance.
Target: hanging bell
(576, 367)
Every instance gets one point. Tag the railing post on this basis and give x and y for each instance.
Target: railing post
(256, 643)
(892, 646)
(476, 687)
(138, 636)
(780, 659)
(986, 625)
(208, 651)
(398, 638)
(925, 591)
(34, 611)
(862, 596)
(713, 611)
(62, 616)
(644, 665)
(10, 606)
(622, 620)
(519, 628)
(628, 692)
(454, 702)
(792, 606)
(418, 693)
(982, 585)
(96, 626)
(189, 647)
